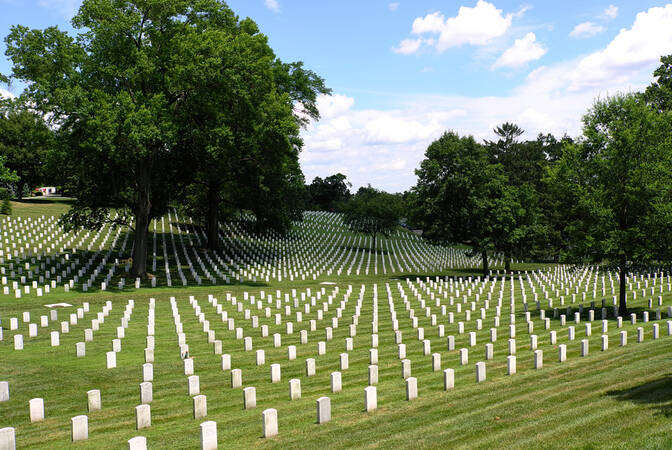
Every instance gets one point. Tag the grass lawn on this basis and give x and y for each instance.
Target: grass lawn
(618, 398)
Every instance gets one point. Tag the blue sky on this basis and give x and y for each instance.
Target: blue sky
(404, 71)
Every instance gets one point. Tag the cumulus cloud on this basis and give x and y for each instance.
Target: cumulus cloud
(393, 6)
(586, 30)
(273, 5)
(611, 12)
(408, 46)
(474, 26)
(4, 93)
(521, 52)
(383, 147)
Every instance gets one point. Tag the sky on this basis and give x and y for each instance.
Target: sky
(404, 72)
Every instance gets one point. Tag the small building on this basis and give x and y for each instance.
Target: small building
(47, 190)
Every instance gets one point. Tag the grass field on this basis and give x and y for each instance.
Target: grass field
(617, 398)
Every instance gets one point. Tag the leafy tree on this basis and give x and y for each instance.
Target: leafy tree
(372, 212)
(459, 194)
(326, 194)
(618, 181)
(241, 133)
(659, 93)
(126, 89)
(25, 141)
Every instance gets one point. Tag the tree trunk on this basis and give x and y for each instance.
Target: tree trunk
(507, 262)
(622, 304)
(374, 242)
(486, 268)
(212, 222)
(19, 189)
(142, 211)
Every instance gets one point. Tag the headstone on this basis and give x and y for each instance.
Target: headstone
(236, 378)
(193, 385)
(249, 397)
(562, 353)
(480, 372)
(294, 389)
(36, 407)
(538, 359)
(143, 417)
(146, 395)
(55, 339)
(411, 388)
(226, 362)
(370, 399)
(269, 420)
(4, 391)
(209, 435)
(18, 342)
(111, 360)
(584, 347)
(93, 400)
(81, 349)
(336, 382)
(323, 409)
(7, 438)
(200, 406)
(310, 367)
(275, 373)
(80, 428)
(405, 368)
(137, 443)
(511, 365)
(448, 379)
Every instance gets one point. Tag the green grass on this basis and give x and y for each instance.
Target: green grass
(620, 398)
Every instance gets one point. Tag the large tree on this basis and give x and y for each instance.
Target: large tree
(125, 91)
(460, 195)
(241, 132)
(328, 193)
(25, 140)
(371, 211)
(618, 186)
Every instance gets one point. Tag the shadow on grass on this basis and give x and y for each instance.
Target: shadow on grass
(45, 200)
(657, 393)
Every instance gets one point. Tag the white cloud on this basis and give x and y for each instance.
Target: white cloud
(383, 147)
(586, 30)
(523, 51)
(393, 6)
(474, 26)
(273, 5)
(408, 46)
(4, 93)
(611, 12)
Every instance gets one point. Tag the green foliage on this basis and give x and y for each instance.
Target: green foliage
(461, 196)
(25, 142)
(371, 211)
(328, 193)
(617, 184)
(6, 207)
(149, 88)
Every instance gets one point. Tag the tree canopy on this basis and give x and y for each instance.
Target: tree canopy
(152, 96)
(371, 211)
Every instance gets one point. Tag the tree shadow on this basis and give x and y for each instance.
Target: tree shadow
(657, 393)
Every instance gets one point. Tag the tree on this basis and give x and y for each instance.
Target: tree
(241, 132)
(126, 89)
(326, 194)
(458, 194)
(25, 141)
(619, 181)
(372, 212)
(659, 93)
